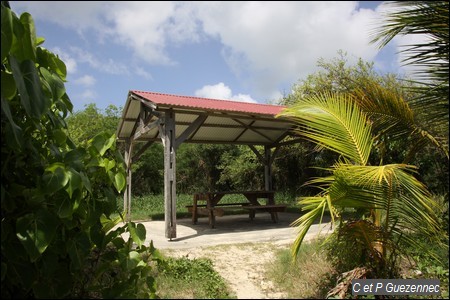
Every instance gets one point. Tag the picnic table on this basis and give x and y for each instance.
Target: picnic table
(212, 199)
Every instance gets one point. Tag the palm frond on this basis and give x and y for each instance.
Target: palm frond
(432, 109)
(305, 221)
(317, 207)
(391, 115)
(409, 204)
(334, 122)
(386, 108)
(431, 19)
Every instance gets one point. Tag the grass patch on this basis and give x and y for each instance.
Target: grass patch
(151, 207)
(424, 266)
(311, 276)
(183, 278)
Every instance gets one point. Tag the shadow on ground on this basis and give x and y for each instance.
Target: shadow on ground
(229, 229)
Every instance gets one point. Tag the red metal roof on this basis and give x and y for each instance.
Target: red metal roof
(210, 104)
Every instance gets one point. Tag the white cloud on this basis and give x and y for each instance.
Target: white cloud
(222, 92)
(78, 15)
(266, 44)
(88, 96)
(109, 65)
(86, 80)
(147, 27)
(141, 72)
(276, 42)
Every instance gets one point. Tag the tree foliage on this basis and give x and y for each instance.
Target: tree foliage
(403, 135)
(396, 204)
(83, 125)
(242, 170)
(58, 240)
(367, 115)
(148, 171)
(198, 166)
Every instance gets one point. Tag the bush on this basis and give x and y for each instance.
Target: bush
(56, 198)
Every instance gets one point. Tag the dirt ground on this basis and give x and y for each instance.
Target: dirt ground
(239, 248)
(242, 265)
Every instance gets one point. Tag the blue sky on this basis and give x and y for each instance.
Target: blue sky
(245, 51)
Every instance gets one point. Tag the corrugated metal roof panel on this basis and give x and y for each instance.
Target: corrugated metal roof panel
(251, 136)
(220, 121)
(262, 123)
(216, 134)
(227, 121)
(185, 118)
(209, 104)
(126, 129)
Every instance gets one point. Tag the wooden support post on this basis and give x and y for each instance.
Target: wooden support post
(170, 197)
(267, 169)
(127, 192)
(267, 160)
(128, 218)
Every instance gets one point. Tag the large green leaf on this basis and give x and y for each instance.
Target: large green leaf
(15, 129)
(51, 62)
(24, 41)
(316, 206)
(108, 224)
(75, 182)
(78, 248)
(137, 233)
(56, 85)
(9, 89)
(392, 116)
(86, 182)
(60, 137)
(29, 38)
(36, 231)
(29, 85)
(63, 206)
(111, 164)
(119, 181)
(55, 178)
(131, 261)
(7, 33)
(102, 142)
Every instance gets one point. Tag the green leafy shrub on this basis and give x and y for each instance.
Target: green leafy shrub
(56, 198)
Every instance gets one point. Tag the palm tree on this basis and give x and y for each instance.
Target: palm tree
(399, 205)
(394, 117)
(431, 57)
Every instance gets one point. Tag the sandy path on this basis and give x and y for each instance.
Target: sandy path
(242, 265)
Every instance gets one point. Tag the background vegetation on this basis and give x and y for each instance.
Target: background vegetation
(62, 173)
(227, 167)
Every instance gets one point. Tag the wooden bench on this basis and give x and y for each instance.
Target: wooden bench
(214, 208)
(272, 209)
(217, 210)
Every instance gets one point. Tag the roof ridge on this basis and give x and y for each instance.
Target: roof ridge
(203, 98)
